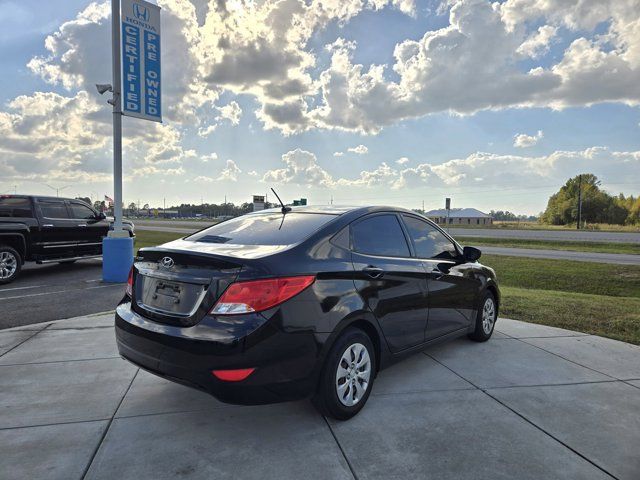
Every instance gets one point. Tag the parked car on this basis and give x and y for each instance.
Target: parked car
(48, 230)
(313, 302)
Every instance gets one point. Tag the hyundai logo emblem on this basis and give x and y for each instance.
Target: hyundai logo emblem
(167, 262)
(141, 12)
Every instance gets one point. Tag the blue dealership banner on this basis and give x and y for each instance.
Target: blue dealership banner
(141, 79)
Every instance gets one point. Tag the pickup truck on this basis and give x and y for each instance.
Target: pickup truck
(48, 230)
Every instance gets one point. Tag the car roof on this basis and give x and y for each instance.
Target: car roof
(335, 209)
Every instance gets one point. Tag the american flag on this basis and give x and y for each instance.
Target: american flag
(108, 199)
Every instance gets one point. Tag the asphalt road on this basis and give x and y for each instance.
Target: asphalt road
(566, 235)
(189, 226)
(51, 292)
(611, 258)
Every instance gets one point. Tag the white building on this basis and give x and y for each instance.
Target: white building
(459, 216)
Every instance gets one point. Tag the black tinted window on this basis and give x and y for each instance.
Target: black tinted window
(428, 241)
(15, 207)
(379, 235)
(264, 229)
(82, 211)
(53, 209)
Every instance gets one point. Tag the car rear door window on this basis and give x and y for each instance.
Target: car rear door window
(80, 211)
(379, 235)
(264, 229)
(15, 207)
(428, 241)
(53, 209)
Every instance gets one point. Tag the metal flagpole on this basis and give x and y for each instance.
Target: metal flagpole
(117, 118)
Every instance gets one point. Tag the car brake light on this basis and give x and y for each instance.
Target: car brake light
(233, 375)
(258, 295)
(129, 290)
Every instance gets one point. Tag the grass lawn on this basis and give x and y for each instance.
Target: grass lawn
(600, 247)
(613, 317)
(602, 227)
(593, 298)
(151, 239)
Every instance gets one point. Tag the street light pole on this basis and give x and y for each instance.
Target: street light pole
(57, 189)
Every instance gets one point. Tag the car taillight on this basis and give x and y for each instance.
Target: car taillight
(258, 295)
(129, 290)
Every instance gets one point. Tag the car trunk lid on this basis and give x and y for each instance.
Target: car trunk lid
(180, 287)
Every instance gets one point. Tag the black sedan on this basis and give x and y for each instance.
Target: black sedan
(303, 302)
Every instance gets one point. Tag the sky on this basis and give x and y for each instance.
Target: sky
(398, 102)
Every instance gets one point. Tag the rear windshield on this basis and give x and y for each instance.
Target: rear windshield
(264, 229)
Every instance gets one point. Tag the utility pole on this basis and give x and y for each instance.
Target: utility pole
(331, 199)
(579, 201)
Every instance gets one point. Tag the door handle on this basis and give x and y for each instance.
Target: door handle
(373, 272)
(82, 224)
(48, 225)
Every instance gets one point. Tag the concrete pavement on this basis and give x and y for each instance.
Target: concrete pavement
(534, 402)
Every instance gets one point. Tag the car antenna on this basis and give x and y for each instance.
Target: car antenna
(284, 208)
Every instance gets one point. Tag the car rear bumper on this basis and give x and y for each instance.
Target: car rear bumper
(285, 363)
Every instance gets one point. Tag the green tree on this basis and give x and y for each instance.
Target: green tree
(597, 205)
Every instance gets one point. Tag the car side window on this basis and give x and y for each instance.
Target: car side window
(53, 209)
(80, 211)
(15, 207)
(428, 241)
(379, 235)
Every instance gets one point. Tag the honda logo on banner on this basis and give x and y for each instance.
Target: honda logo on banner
(141, 82)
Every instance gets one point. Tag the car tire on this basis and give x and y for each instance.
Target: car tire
(485, 318)
(333, 398)
(10, 264)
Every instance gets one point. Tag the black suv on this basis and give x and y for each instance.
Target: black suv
(276, 306)
(48, 230)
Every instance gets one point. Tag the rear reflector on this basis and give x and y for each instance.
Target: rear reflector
(233, 375)
(129, 290)
(259, 295)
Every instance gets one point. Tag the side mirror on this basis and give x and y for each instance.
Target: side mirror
(100, 216)
(471, 254)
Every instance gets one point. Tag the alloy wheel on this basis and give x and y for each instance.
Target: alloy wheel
(353, 374)
(8, 265)
(488, 315)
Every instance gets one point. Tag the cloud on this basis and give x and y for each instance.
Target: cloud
(230, 113)
(262, 49)
(301, 167)
(489, 40)
(537, 44)
(402, 160)
(48, 135)
(230, 172)
(76, 52)
(338, 154)
(522, 140)
(360, 150)
(488, 169)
